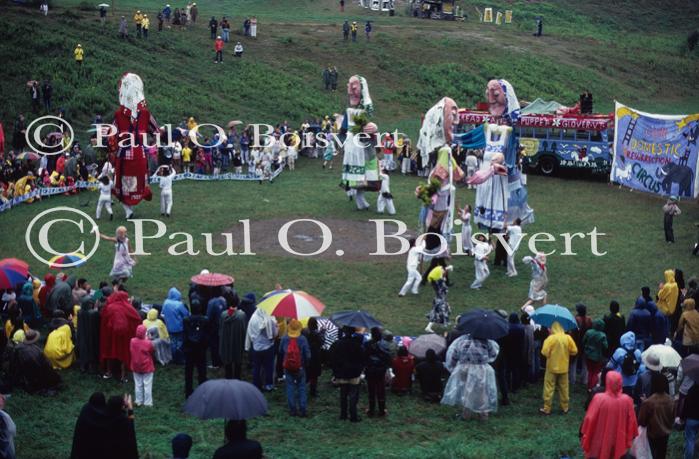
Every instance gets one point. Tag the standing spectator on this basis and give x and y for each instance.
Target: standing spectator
(123, 29)
(47, 94)
(668, 294)
(137, 19)
(688, 327)
(8, 431)
(34, 95)
(429, 374)
(87, 336)
(378, 360)
(367, 30)
(79, 54)
(259, 341)
(246, 27)
(103, 15)
(345, 30)
(657, 415)
(641, 319)
(226, 29)
(213, 26)
(142, 366)
(238, 446)
(218, 47)
(513, 353)
(610, 425)
(347, 361)
(253, 27)
(670, 210)
(594, 345)
(326, 77)
(333, 78)
(145, 25)
(195, 344)
(295, 354)
(342, 6)
(44, 8)
(690, 416)
(627, 361)
(167, 12)
(174, 312)
(614, 326)
(577, 364)
(315, 343)
(160, 18)
(353, 30)
(232, 341)
(19, 130)
(214, 309)
(118, 323)
(194, 12)
(557, 348)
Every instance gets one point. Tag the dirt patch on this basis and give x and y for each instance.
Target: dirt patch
(350, 240)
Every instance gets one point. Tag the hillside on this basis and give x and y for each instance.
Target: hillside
(409, 63)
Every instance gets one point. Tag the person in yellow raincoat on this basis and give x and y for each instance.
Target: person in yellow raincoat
(23, 186)
(59, 349)
(79, 54)
(54, 178)
(153, 321)
(668, 293)
(557, 348)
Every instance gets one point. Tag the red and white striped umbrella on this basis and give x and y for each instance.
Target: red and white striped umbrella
(294, 304)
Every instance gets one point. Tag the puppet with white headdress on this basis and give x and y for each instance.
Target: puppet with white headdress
(133, 123)
(360, 169)
(500, 196)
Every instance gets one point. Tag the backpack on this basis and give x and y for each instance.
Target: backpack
(292, 357)
(629, 366)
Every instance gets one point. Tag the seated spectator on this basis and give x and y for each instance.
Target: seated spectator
(238, 50)
(29, 368)
(429, 374)
(238, 446)
(59, 349)
(403, 366)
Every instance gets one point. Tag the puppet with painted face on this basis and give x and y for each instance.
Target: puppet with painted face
(501, 197)
(434, 145)
(360, 169)
(133, 123)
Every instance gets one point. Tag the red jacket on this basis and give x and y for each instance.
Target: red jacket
(610, 425)
(218, 44)
(141, 352)
(118, 323)
(403, 368)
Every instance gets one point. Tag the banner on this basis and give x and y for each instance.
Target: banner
(92, 186)
(656, 153)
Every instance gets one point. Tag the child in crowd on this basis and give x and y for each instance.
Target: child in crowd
(514, 237)
(385, 198)
(105, 199)
(466, 231)
(142, 366)
(187, 158)
(167, 174)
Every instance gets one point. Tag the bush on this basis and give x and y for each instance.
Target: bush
(692, 40)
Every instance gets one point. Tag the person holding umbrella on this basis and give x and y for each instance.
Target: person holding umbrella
(557, 348)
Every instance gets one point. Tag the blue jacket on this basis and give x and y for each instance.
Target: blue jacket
(303, 347)
(214, 310)
(640, 320)
(174, 311)
(628, 344)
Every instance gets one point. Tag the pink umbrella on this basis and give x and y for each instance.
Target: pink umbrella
(213, 279)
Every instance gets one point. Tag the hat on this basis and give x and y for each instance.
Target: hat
(674, 198)
(204, 271)
(31, 336)
(652, 361)
(294, 328)
(218, 37)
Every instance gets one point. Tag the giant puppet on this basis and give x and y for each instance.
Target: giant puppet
(360, 169)
(501, 198)
(133, 123)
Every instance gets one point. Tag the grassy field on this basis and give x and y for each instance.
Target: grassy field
(631, 51)
(636, 255)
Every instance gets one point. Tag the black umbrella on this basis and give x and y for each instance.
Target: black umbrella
(357, 319)
(226, 399)
(482, 324)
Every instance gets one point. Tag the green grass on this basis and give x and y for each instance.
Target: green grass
(631, 51)
(636, 256)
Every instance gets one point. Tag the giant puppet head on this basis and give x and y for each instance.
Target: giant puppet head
(358, 93)
(502, 101)
(438, 127)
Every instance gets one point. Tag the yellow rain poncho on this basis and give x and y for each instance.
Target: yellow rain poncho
(59, 349)
(667, 296)
(557, 349)
(153, 321)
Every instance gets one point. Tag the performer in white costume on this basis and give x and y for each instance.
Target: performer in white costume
(514, 237)
(480, 261)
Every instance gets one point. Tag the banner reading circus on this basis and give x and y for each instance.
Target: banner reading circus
(656, 153)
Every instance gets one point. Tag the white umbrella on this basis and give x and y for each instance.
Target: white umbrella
(669, 358)
(103, 5)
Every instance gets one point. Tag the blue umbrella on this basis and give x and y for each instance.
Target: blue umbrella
(550, 313)
(357, 319)
(482, 324)
(226, 399)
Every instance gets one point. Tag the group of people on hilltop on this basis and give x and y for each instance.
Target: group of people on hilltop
(352, 29)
